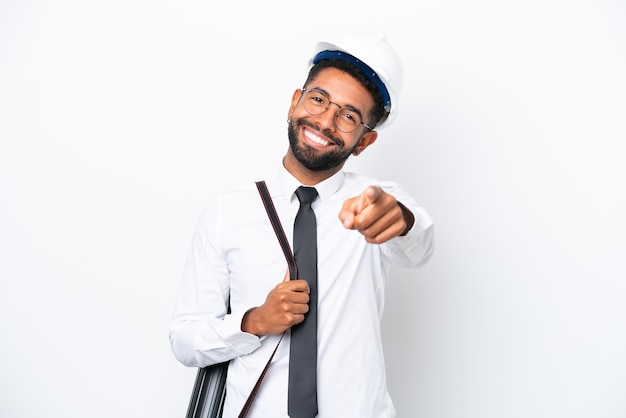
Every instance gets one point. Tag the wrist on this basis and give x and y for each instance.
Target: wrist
(408, 217)
(248, 323)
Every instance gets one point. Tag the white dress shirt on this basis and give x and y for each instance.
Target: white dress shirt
(235, 253)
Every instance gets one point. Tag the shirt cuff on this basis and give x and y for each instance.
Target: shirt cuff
(239, 341)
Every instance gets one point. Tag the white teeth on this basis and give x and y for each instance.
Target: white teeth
(315, 138)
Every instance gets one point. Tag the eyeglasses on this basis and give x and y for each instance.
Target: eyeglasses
(317, 102)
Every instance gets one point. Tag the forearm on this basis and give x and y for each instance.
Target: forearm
(204, 341)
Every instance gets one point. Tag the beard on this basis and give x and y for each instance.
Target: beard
(311, 158)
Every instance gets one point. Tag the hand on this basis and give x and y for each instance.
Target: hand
(377, 215)
(284, 307)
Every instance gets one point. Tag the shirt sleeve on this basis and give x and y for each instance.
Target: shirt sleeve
(201, 331)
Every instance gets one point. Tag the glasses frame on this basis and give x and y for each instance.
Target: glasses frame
(305, 91)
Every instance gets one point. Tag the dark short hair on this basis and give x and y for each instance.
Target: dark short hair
(378, 110)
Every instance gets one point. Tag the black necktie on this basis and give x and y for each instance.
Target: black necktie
(303, 351)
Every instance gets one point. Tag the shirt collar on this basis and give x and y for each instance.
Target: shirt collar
(286, 184)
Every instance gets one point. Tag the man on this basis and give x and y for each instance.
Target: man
(363, 227)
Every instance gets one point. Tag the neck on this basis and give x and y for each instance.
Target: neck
(304, 175)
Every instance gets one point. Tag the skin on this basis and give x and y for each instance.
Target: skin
(374, 213)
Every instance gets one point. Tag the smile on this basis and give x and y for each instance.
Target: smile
(312, 136)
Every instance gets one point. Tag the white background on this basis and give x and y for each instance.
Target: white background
(119, 119)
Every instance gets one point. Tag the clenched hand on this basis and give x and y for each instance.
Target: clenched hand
(377, 215)
(284, 307)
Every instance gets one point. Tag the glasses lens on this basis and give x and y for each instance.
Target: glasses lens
(347, 120)
(316, 103)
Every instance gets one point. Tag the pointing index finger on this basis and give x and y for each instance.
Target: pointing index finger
(370, 195)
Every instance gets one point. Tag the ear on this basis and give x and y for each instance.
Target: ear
(295, 98)
(366, 140)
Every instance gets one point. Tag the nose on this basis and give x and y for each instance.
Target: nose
(328, 118)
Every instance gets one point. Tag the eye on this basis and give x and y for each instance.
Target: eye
(349, 117)
(317, 99)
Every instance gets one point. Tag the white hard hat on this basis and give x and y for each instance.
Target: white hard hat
(385, 68)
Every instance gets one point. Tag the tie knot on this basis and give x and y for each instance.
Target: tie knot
(306, 194)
